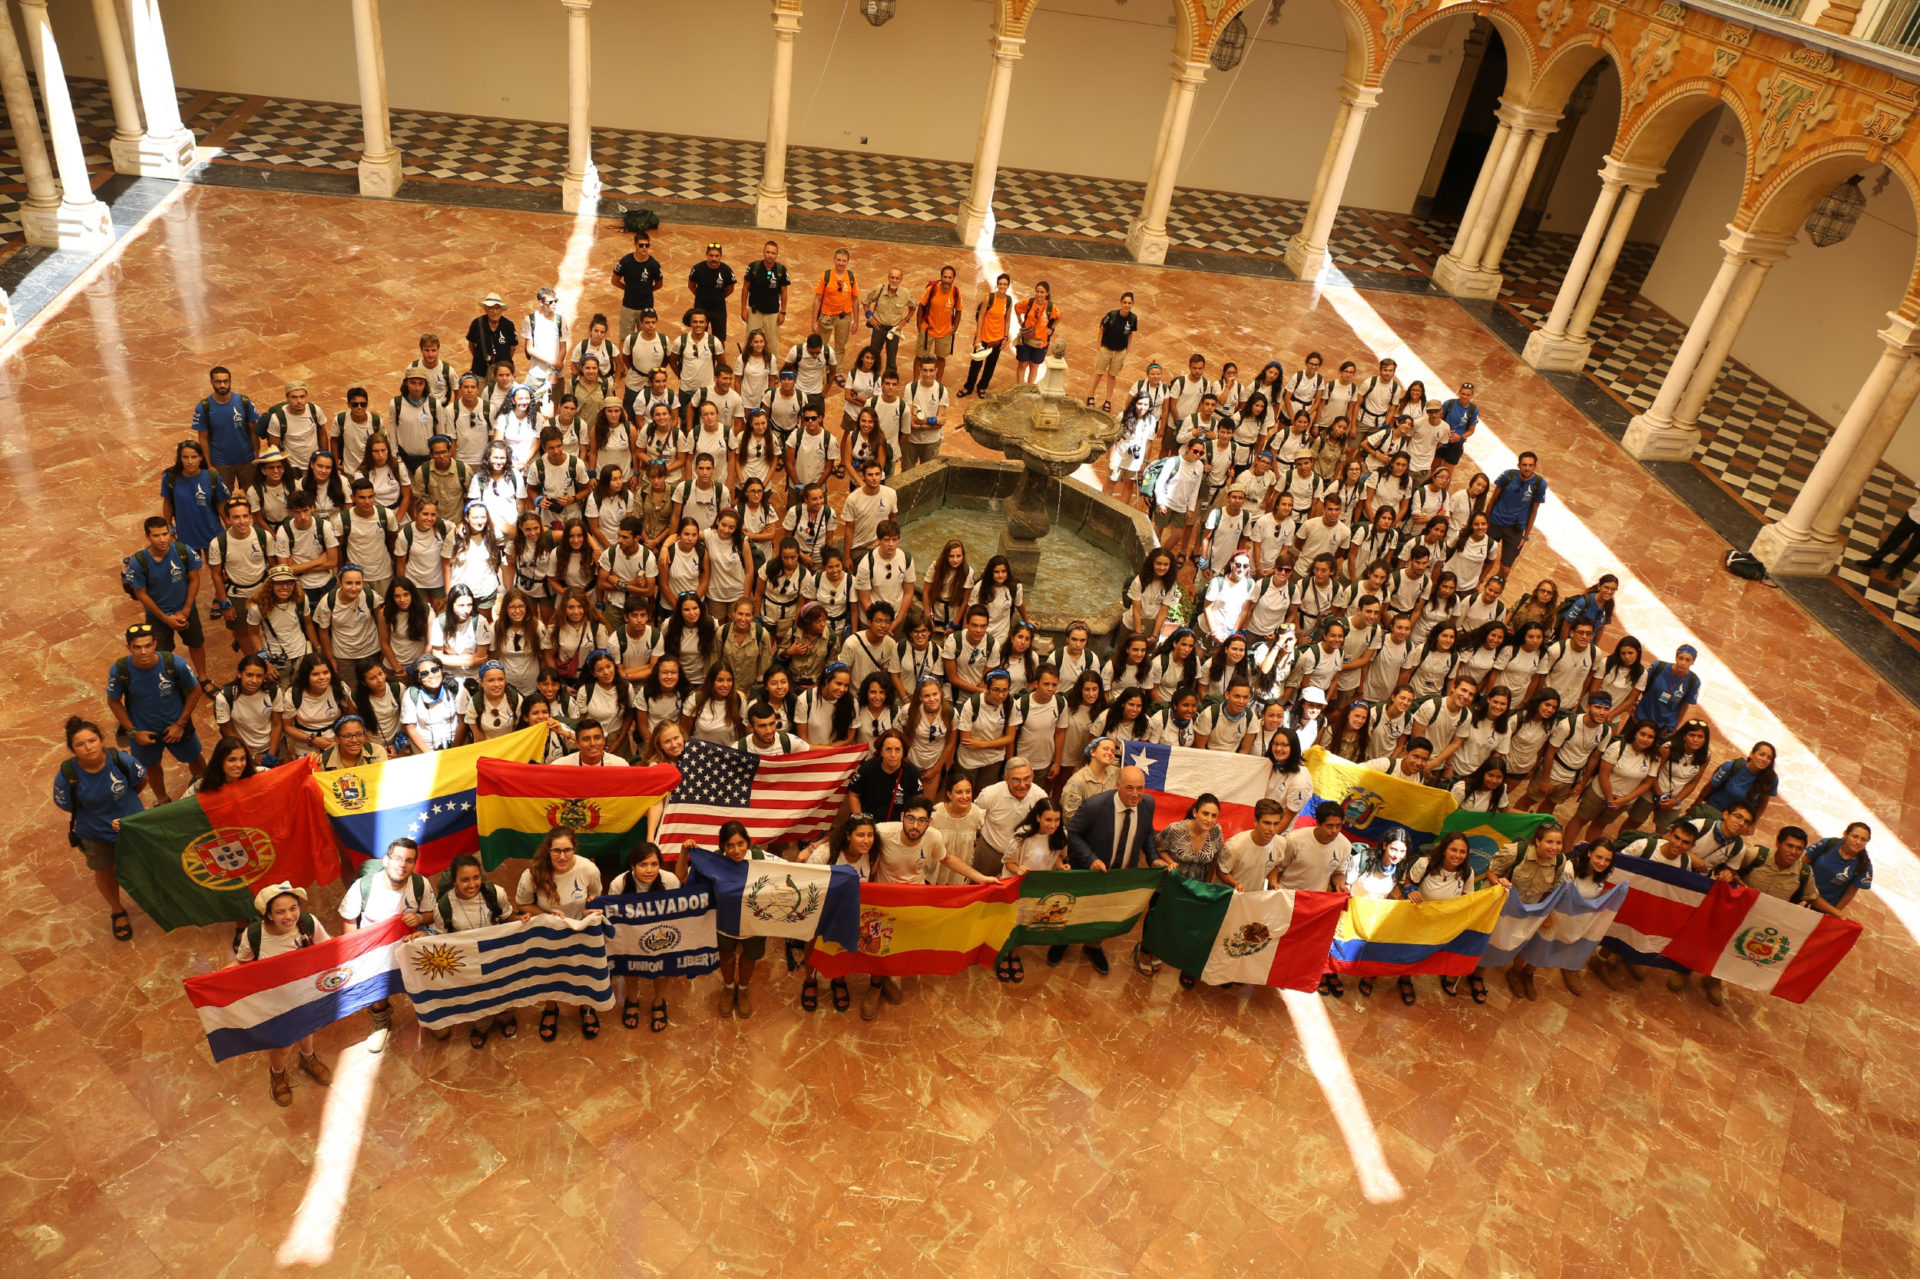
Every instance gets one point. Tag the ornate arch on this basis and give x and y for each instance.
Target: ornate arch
(1197, 24)
(1649, 131)
(1010, 17)
(1779, 203)
(1567, 64)
(1514, 37)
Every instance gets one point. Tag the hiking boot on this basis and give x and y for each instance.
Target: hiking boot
(315, 1069)
(1716, 991)
(870, 1004)
(743, 1002)
(1513, 984)
(890, 990)
(1526, 986)
(1571, 980)
(1604, 970)
(1676, 982)
(282, 1090)
(728, 995)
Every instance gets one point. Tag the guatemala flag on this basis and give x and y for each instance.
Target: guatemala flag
(774, 898)
(455, 977)
(1176, 775)
(277, 1002)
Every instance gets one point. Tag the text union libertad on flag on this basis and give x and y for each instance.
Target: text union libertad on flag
(775, 796)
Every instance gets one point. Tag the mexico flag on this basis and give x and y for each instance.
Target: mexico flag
(1278, 937)
(910, 930)
(199, 860)
(1760, 942)
(606, 808)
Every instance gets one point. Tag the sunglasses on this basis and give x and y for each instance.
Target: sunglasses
(139, 629)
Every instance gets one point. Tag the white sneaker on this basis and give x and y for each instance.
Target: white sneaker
(377, 1041)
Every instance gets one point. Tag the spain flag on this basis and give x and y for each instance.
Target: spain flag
(909, 930)
(606, 808)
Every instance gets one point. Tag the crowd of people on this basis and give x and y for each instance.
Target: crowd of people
(654, 533)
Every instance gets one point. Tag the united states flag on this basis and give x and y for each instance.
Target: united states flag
(775, 796)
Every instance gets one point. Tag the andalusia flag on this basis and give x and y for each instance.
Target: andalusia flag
(1277, 937)
(199, 860)
(1064, 907)
(604, 807)
(909, 930)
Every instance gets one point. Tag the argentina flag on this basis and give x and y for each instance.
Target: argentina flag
(456, 977)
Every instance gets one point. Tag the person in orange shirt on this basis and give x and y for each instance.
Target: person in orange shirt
(1038, 318)
(833, 302)
(939, 320)
(990, 320)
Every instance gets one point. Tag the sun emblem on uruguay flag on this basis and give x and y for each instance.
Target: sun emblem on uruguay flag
(228, 858)
(574, 814)
(876, 933)
(1763, 946)
(438, 960)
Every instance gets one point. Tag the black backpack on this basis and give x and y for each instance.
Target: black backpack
(1743, 565)
(252, 932)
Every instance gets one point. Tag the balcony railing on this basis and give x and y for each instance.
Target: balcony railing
(1779, 8)
(1895, 25)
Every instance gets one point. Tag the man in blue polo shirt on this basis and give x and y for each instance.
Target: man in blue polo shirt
(1462, 415)
(1672, 691)
(153, 695)
(1841, 868)
(165, 578)
(1512, 507)
(228, 426)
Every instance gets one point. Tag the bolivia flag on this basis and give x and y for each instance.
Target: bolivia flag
(1381, 938)
(1490, 832)
(519, 803)
(1177, 774)
(1373, 801)
(427, 798)
(1061, 907)
(199, 860)
(1762, 943)
(910, 930)
(1278, 937)
(275, 1003)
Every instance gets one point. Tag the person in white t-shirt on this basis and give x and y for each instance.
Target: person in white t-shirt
(865, 509)
(560, 882)
(1247, 859)
(926, 413)
(284, 926)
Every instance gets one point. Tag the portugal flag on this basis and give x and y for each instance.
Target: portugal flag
(910, 930)
(199, 860)
(604, 807)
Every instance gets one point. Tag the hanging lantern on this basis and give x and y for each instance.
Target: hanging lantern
(1231, 46)
(1838, 212)
(877, 12)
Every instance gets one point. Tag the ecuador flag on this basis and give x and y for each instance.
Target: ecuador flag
(428, 798)
(907, 930)
(605, 807)
(1381, 938)
(200, 860)
(1488, 832)
(1373, 802)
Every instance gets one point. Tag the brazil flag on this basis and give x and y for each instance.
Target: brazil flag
(199, 860)
(1488, 832)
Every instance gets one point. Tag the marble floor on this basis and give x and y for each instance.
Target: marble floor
(1075, 1125)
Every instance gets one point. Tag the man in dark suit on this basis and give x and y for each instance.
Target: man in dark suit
(1110, 831)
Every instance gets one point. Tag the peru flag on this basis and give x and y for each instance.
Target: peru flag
(1177, 774)
(1753, 940)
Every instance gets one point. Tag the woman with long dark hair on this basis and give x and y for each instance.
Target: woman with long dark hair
(560, 882)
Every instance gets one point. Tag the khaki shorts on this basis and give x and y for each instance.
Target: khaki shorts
(98, 852)
(939, 348)
(1593, 807)
(836, 331)
(751, 947)
(767, 322)
(1108, 362)
(1551, 791)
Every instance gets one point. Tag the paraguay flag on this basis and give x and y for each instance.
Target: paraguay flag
(1176, 775)
(1762, 943)
(429, 798)
(277, 1002)
(774, 898)
(1661, 897)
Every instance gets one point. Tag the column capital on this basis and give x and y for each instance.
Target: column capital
(1359, 97)
(1641, 177)
(1194, 73)
(1007, 48)
(1748, 247)
(1901, 333)
(786, 21)
(577, 7)
(1526, 119)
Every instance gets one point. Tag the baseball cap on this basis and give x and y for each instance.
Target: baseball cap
(1314, 695)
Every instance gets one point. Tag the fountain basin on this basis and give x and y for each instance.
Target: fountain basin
(1091, 548)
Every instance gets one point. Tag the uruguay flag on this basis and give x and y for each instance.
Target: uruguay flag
(455, 977)
(275, 1003)
(774, 898)
(1176, 775)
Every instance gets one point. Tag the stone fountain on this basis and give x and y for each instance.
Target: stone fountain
(1051, 435)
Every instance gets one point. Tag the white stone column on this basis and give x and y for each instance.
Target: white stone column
(1147, 236)
(40, 211)
(1602, 273)
(1706, 375)
(82, 221)
(1482, 183)
(1654, 435)
(581, 182)
(1556, 344)
(380, 173)
(1795, 546)
(978, 207)
(1307, 252)
(167, 147)
(127, 133)
(1859, 468)
(1501, 230)
(770, 207)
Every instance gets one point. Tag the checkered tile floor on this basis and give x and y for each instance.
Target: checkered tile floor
(1760, 446)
